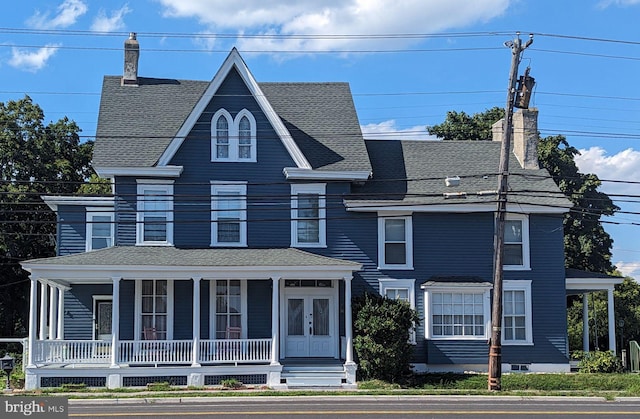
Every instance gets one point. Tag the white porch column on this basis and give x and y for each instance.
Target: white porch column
(611, 321)
(60, 331)
(115, 322)
(275, 323)
(348, 320)
(33, 322)
(53, 312)
(196, 322)
(585, 322)
(43, 310)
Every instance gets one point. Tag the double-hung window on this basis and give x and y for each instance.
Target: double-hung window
(233, 139)
(155, 308)
(400, 289)
(228, 214)
(457, 311)
(516, 242)
(308, 215)
(395, 248)
(516, 313)
(229, 302)
(155, 212)
(100, 229)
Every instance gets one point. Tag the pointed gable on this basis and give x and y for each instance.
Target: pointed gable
(235, 62)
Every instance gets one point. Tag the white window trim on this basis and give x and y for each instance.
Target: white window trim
(486, 298)
(137, 325)
(243, 308)
(234, 138)
(385, 284)
(320, 190)
(408, 231)
(167, 187)
(526, 260)
(241, 188)
(92, 212)
(520, 285)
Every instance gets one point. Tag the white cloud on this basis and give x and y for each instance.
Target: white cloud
(110, 23)
(388, 130)
(623, 3)
(332, 17)
(631, 269)
(32, 61)
(67, 14)
(623, 166)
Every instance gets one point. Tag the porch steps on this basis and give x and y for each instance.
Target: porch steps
(296, 376)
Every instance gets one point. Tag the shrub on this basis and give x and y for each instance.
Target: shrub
(599, 362)
(381, 329)
(231, 383)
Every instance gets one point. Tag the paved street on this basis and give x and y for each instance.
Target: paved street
(352, 406)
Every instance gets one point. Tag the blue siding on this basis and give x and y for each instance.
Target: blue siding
(71, 229)
(127, 306)
(204, 309)
(268, 225)
(78, 310)
(183, 310)
(457, 352)
(259, 309)
(125, 207)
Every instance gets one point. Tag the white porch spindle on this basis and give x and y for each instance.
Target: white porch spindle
(60, 331)
(43, 310)
(53, 312)
(196, 323)
(275, 324)
(585, 322)
(33, 322)
(348, 320)
(611, 321)
(115, 322)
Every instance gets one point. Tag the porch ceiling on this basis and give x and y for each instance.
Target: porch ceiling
(158, 262)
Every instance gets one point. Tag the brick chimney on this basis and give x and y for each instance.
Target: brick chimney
(131, 55)
(525, 136)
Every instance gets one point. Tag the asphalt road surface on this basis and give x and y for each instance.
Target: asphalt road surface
(331, 407)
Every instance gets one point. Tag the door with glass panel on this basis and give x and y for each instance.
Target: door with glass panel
(309, 326)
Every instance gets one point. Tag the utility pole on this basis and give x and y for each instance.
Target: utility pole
(495, 348)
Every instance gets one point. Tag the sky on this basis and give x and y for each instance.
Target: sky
(408, 62)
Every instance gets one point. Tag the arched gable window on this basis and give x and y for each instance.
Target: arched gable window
(233, 139)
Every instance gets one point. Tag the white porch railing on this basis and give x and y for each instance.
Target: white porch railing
(166, 352)
(156, 352)
(235, 351)
(72, 352)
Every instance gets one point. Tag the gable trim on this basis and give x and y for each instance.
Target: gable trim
(164, 171)
(296, 173)
(491, 207)
(235, 60)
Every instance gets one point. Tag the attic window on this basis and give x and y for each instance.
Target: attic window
(233, 139)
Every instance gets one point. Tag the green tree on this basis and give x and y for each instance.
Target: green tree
(382, 329)
(35, 159)
(587, 244)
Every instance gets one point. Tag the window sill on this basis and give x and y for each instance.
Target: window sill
(155, 244)
(513, 343)
(228, 245)
(395, 267)
(309, 245)
(516, 268)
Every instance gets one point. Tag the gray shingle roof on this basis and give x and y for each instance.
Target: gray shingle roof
(136, 124)
(171, 256)
(426, 164)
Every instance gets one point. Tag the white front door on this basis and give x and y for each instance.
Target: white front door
(310, 326)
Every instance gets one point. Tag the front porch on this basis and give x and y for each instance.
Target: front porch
(150, 317)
